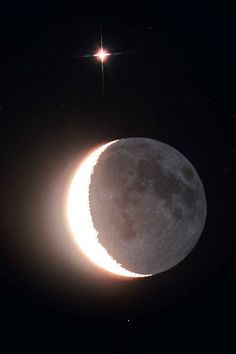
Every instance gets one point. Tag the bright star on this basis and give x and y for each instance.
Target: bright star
(102, 55)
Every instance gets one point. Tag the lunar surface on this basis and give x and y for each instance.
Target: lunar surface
(147, 205)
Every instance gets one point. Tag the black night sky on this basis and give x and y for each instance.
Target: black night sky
(175, 83)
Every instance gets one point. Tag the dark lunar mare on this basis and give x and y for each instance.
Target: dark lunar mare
(147, 203)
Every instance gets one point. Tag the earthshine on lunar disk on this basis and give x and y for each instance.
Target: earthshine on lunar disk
(136, 207)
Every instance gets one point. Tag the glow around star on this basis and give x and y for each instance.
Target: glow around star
(102, 54)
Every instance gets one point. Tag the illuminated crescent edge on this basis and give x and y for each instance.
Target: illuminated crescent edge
(80, 219)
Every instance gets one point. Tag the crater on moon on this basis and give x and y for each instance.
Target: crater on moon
(147, 204)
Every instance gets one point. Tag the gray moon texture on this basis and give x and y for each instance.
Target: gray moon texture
(147, 204)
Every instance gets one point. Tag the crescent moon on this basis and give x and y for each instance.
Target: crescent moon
(80, 219)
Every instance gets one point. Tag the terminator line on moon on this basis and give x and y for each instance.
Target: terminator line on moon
(136, 207)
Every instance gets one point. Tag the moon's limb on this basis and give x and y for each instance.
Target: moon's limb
(81, 222)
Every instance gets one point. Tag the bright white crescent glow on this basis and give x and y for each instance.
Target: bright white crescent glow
(80, 218)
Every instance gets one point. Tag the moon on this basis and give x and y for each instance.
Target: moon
(136, 207)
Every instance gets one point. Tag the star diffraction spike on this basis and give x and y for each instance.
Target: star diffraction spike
(101, 55)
